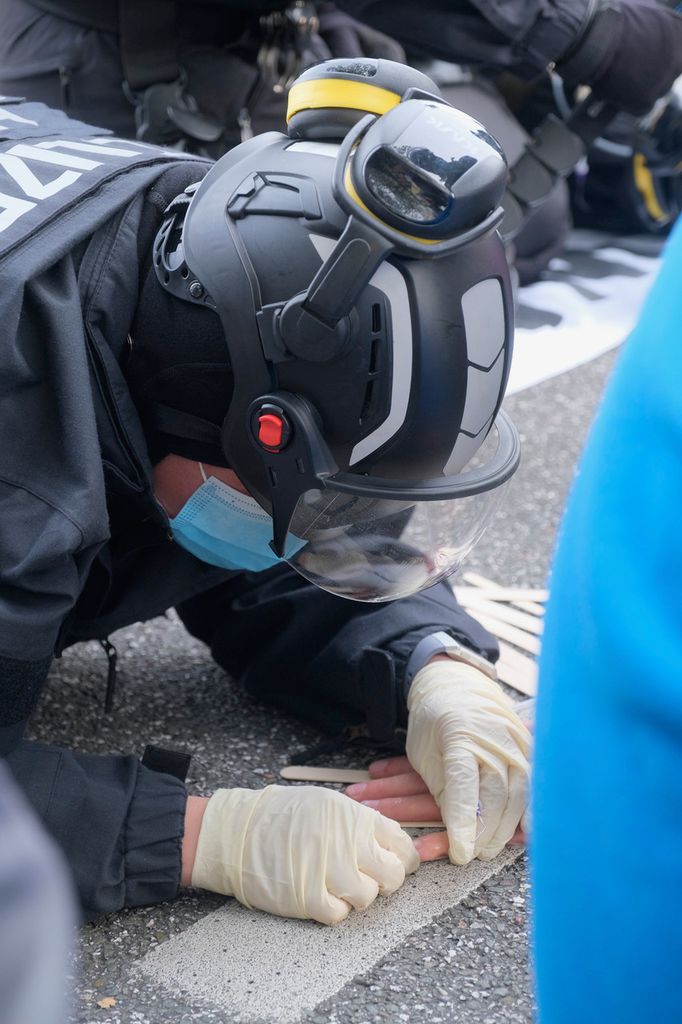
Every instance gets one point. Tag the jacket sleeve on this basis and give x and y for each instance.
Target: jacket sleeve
(335, 663)
(119, 825)
(525, 35)
(53, 515)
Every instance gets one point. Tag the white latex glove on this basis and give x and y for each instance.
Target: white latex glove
(472, 751)
(300, 851)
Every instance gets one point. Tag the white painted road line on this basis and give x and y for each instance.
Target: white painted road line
(256, 967)
(580, 326)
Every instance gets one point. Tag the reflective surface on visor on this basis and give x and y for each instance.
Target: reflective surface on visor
(378, 543)
(375, 549)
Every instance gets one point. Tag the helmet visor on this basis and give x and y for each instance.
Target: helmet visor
(373, 543)
(378, 549)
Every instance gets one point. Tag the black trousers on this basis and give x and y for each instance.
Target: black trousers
(328, 660)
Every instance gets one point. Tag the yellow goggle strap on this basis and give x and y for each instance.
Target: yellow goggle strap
(340, 92)
(644, 183)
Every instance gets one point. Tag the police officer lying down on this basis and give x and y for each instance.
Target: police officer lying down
(266, 392)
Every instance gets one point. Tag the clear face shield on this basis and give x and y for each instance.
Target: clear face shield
(374, 547)
(387, 551)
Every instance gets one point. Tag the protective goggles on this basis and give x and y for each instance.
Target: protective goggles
(404, 193)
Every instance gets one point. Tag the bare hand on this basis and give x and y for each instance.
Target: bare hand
(397, 791)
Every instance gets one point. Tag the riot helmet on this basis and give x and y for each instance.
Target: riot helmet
(634, 179)
(366, 305)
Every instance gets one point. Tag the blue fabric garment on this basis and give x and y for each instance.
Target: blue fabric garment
(607, 846)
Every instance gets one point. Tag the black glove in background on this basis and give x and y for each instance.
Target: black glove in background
(667, 132)
(630, 55)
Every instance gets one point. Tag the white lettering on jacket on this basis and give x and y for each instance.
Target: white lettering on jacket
(7, 115)
(31, 189)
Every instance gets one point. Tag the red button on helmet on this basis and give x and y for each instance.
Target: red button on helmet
(270, 430)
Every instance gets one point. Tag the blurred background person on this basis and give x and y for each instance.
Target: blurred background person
(36, 916)
(204, 76)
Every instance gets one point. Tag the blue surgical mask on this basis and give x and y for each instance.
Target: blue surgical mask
(226, 528)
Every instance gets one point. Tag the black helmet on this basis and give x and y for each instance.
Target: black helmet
(634, 182)
(365, 300)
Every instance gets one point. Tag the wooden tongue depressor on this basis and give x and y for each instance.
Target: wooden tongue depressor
(422, 824)
(515, 599)
(311, 773)
(517, 670)
(507, 613)
(523, 597)
(503, 631)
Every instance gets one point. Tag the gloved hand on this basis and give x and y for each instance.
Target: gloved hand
(631, 54)
(300, 851)
(472, 751)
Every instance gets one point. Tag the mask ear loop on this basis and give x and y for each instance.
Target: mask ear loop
(203, 477)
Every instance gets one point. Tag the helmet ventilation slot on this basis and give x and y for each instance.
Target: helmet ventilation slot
(373, 370)
(366, 410)
(374, 355)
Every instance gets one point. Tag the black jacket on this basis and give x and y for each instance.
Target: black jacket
(84, 546)
(70, 242)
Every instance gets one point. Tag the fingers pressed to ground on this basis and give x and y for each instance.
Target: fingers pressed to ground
(407, 808)
(390, 766)
(408, 784)
(432, 847)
